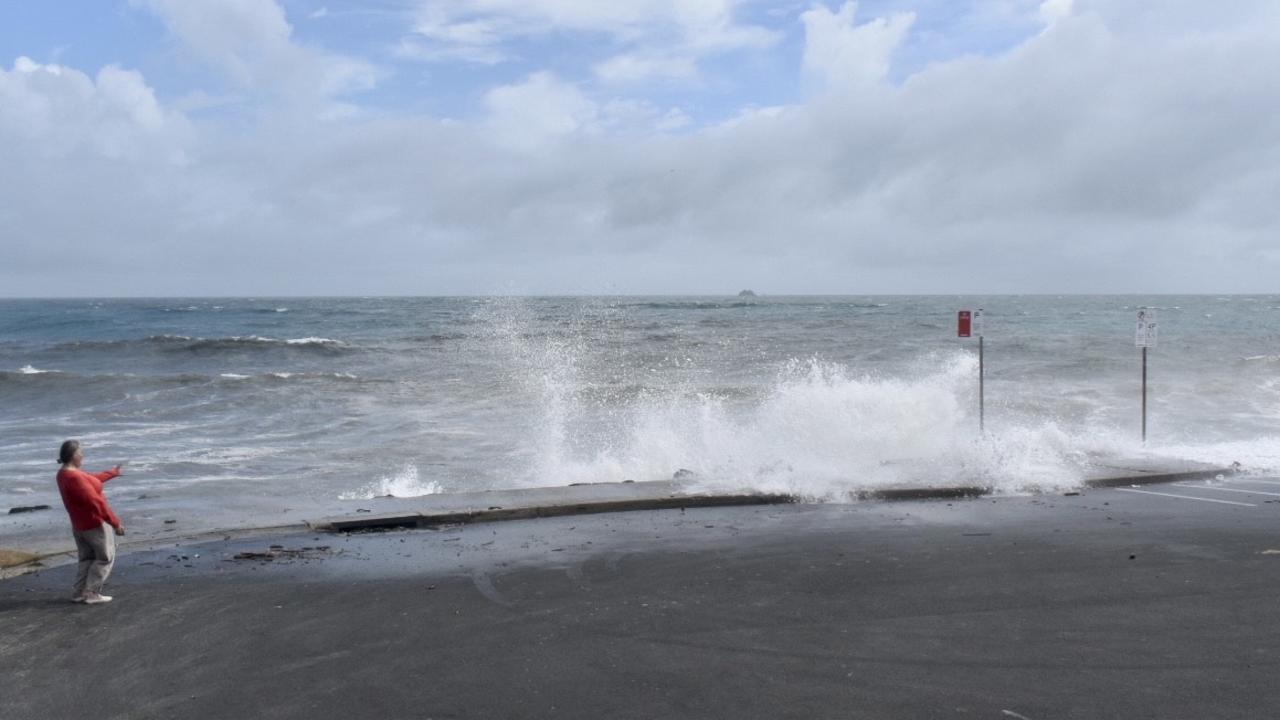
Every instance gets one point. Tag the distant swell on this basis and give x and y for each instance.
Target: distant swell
(138, 383)
(183, 343)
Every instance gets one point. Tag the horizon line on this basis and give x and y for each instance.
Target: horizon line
(757, 295)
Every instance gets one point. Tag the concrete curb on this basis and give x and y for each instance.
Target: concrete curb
(939, 493)
(562, 507)
(1165, 477)
(620, 497)
(429, 519)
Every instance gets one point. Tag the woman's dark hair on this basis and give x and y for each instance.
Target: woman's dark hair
(68, 450)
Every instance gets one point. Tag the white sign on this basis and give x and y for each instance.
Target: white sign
(1146, 332)
(977, 322)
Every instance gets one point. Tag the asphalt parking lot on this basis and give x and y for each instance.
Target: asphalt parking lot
(1146, 602)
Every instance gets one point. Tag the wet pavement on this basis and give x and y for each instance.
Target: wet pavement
(1146, 602)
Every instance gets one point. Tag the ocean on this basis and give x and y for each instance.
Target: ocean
(251, 408)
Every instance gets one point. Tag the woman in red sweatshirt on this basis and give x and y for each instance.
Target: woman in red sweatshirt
(93, 523)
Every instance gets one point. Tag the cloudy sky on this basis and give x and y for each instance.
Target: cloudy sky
(424, 147)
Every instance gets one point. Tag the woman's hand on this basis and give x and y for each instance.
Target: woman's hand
(119, 470)
(120, 531)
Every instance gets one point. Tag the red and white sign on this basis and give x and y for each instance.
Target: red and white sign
(964, 324)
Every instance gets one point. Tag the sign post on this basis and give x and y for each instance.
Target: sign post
(1145, 337)
(968, 324)
(982, 405)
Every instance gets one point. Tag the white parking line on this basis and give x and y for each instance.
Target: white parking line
(1211, 487)
(1186, 497)
(1256, 480)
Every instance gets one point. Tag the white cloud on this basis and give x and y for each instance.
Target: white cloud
(251, 42)
(410, 48)
(1051, 11)
(842, 53)
(665, 37)
(637, 67)
(709, 25)
(639, 118)
(495, 20)
(59, 112)
(1122, 135)
(540, 110)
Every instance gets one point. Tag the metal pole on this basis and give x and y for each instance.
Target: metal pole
(1144, 395)
(982, 410)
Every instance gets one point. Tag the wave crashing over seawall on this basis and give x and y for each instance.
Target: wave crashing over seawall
(816, 397)
(820, 432)
(404, 484)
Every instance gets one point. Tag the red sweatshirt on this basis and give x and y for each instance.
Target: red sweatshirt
(83, 498)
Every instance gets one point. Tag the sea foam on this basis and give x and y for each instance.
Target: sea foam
(403, 484)
(822, 431)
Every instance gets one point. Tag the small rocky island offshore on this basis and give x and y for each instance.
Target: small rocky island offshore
(747, 293)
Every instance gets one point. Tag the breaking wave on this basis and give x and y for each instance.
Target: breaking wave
(403, 484)
(818, 429)
(821, 431)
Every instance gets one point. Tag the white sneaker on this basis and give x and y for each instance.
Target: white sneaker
(77, 598)
(96, 599)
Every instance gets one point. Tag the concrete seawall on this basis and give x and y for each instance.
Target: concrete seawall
(595, 498)
(501, 505)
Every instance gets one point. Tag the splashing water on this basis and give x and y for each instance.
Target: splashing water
(403, 484)
(819, 429)
(810, 395)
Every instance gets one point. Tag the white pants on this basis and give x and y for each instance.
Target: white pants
(97, 551)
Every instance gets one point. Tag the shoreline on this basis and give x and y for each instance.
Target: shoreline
(580, 499)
